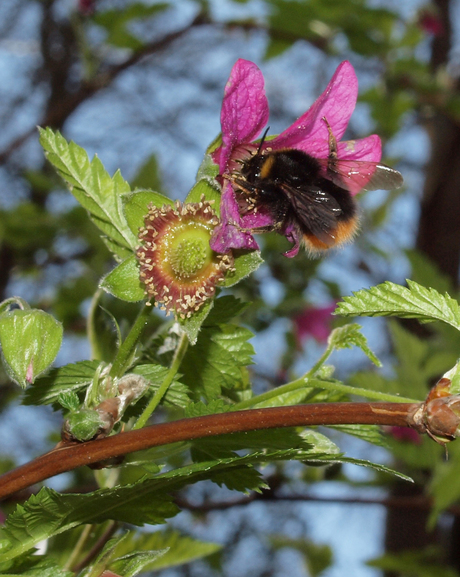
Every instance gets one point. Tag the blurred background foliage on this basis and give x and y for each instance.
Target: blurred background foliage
(140, 84)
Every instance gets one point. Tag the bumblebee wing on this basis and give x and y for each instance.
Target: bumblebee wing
(315, 210)
(356, 175)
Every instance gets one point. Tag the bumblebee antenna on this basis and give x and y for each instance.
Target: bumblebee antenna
(263, 139)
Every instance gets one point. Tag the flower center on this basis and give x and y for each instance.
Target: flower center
(189, 253)
(177, 266)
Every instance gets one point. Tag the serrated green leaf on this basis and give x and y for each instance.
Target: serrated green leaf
(390, 299)
(350, 336)
(136, 206)
(363, 463)
(199, 409)
(93, 188)
(147, 501)
(48, 513)
(225, 309)
(59, 381)
(175, 396)
(243, 479)
(123, 281)
(69, 401)
(215, 361)
(36, 566)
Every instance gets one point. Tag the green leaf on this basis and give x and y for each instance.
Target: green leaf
(69, 401)
(350, 336)
(199, 409)
(176, 548)
(414, 302)
(135, 562)
(454, 376)
(123, 281)
(177, 393)
(67, 379)
(48, 513)
(444, 487)
(136, 206)
(364, 463)
(148, 501)
(128, 565)
(36, 566)
(225, 309)
(94, 189)
(215, 361)
(148, 176)
(30, 340)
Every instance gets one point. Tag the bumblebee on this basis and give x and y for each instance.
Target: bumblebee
(309, 194)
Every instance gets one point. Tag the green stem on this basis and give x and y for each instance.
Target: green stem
(181, 349)
(311, 383)
(320, 362)
(124, 355)
(78, 547)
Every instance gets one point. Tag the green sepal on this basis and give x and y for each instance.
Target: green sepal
(84, 424)
(123, 281)
(136, 206)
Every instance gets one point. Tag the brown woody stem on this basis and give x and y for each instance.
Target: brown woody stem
(70, 456)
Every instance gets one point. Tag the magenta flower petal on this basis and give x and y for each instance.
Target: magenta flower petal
(228, 233)
(364, 149)
(243, 117)
(244, 109)
(309, 132)
(314, 322)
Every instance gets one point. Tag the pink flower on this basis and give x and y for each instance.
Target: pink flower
(314, 322)
(244, 115)
(429, 22)
(86, 7)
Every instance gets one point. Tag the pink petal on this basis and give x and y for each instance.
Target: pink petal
(292, 235)
(227, 234)
(314, 322)
(364, 149)
(336, 103)
(244, 108)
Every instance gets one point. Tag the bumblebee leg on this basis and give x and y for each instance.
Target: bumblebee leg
(333, 157)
